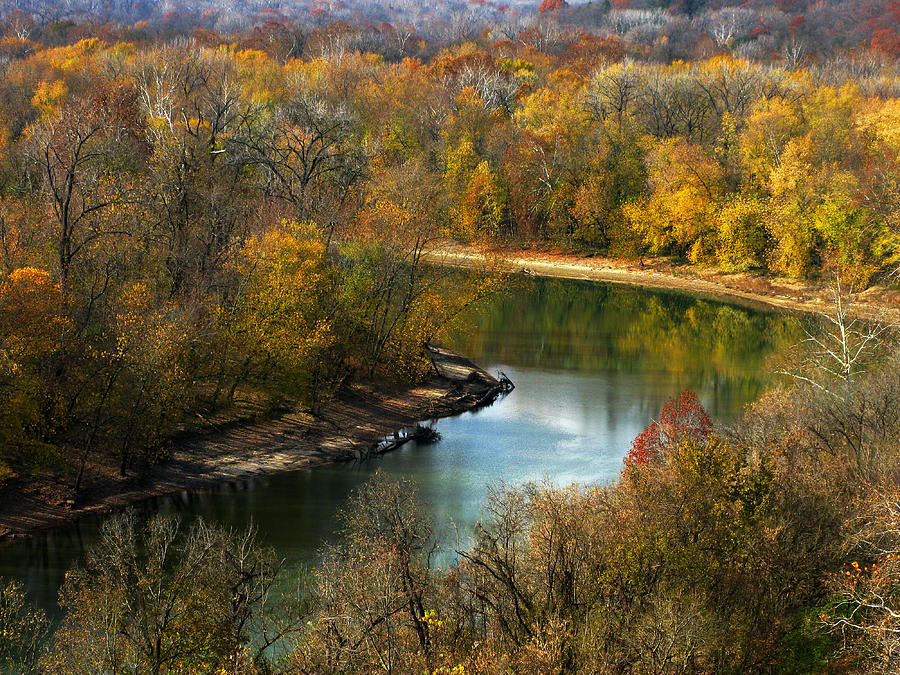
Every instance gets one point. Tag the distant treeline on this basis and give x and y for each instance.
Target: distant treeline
(787, 31)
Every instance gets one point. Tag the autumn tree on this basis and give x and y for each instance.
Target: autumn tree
(395, 296)
(282, 325)
(677, 215)
(33, 333)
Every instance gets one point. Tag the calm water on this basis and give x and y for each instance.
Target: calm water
(592, 364)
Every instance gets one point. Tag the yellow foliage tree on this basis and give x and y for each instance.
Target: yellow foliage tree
(483, 210)
(48, 97)
(768, 129)
(32, 327)
(741, 241)
(678, 216)
(280, 316)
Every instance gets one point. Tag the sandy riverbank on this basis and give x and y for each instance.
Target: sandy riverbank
(787, 294)
(350, 426)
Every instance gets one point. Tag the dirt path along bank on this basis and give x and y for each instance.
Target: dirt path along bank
(787, 294)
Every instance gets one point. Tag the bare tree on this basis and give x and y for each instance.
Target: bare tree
(794, 53)
(842, 344)
(729, 24)
(497, 89)
(74, 151)
(613, 92)
(154, 598)
(677, 105)
(308, 155)
(376, 586)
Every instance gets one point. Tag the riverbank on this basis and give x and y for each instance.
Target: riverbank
(355, 424)
(755, 290)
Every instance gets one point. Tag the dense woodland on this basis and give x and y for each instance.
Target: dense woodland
(204, 213)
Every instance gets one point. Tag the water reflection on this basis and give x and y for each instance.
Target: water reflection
(592, 364)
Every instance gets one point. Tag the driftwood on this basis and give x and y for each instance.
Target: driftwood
(419, 433)
(477, 390)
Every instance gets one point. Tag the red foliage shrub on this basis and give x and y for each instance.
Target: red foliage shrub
(796, 24)
(886, 29)
(682, 418)
(552, 6)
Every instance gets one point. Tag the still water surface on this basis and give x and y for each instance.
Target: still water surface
(592, 363)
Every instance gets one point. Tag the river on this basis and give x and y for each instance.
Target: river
(592, 364)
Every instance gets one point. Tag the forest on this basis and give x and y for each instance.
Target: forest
(183, 222)
(209, 213)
